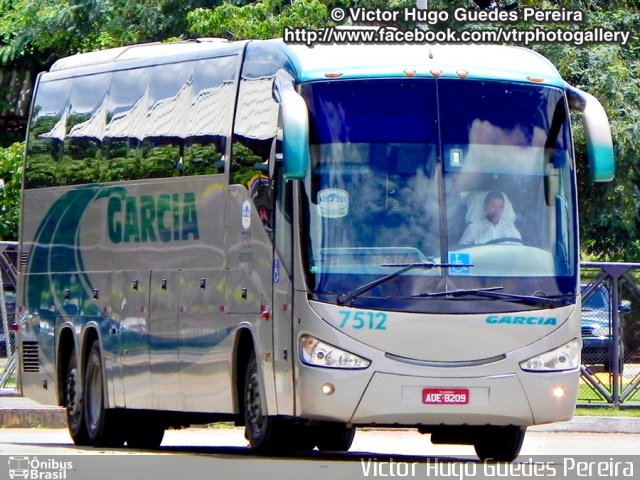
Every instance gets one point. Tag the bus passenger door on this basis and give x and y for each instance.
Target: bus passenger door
(283, 294)
(260, 244)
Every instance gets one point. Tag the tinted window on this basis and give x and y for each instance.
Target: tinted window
(47, 129)
(81, 159)
(161, 121)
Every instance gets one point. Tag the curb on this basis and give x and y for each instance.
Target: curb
(17, 411)
(33, 418)
(592, 425)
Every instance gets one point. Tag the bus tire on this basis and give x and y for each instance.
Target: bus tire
(104, 428)
(73, 403)
(499, 444)
(147, 435)
(335, 437)
(266, 434)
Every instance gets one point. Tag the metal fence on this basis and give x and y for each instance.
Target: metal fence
(8, 258)
(610, 370)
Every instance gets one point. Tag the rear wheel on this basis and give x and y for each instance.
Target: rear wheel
(104, 427)
(73, 403)
(500, 444)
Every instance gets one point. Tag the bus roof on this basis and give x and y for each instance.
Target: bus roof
(145, 54)
(320, 62)
(495, 62)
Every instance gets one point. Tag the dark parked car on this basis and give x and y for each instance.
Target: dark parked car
(597, 336)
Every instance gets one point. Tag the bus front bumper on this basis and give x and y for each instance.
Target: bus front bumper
(390, 399)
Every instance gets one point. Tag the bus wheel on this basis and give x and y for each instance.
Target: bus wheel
(500, 444)
(73, 403)
(260, 430)
(104, 428)
(335, 437)
(146, 435)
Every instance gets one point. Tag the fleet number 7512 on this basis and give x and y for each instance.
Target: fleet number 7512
(359, 319)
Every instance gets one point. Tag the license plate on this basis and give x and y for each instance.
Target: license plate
(445, 396)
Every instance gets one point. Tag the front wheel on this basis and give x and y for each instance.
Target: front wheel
(500, 444)
(266, 434)
(146, 435)
(104, 428)
(335, 437)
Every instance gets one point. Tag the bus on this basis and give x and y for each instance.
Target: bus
(272, 235)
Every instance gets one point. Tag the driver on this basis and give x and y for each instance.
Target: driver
(492, 226)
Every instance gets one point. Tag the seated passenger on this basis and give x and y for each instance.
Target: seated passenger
(494, 225)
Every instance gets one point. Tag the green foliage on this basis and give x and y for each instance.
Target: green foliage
(261, 19)
(268, 18)
(37, 32)
(246, 161)
(11, 174)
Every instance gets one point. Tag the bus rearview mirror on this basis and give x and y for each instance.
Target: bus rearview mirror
(597, 133)
(295, 128)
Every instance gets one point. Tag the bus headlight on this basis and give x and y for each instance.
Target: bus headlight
(566, 357)
(319, 354)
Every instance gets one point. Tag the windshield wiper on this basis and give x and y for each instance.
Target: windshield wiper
(490, 292)
(350, 295)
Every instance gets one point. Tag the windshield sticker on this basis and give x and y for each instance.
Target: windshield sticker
(462, 259)
(333, 203)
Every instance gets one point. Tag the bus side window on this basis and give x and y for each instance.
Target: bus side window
(81, 158)
(170, 88)
(254, 138)
(124, 130)
(46, 133)
(211, 103)
(261, 193)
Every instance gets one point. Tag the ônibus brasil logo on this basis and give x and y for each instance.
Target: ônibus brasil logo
(36, 469)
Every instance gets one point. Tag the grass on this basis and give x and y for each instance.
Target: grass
(607, 412)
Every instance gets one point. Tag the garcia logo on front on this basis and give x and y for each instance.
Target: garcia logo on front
(520, 320)
(33, 468)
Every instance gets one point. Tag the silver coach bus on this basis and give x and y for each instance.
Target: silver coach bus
(304, 241)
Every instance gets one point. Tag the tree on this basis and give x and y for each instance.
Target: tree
(261, 19)
(37, 32)
(11, 175)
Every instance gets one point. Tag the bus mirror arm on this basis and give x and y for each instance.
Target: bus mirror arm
(295, 126)
(597, 132)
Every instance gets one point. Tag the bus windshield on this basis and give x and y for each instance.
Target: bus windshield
(475, 177)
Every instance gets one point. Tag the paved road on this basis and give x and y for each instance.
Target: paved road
(213, 453)
(19, 441)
